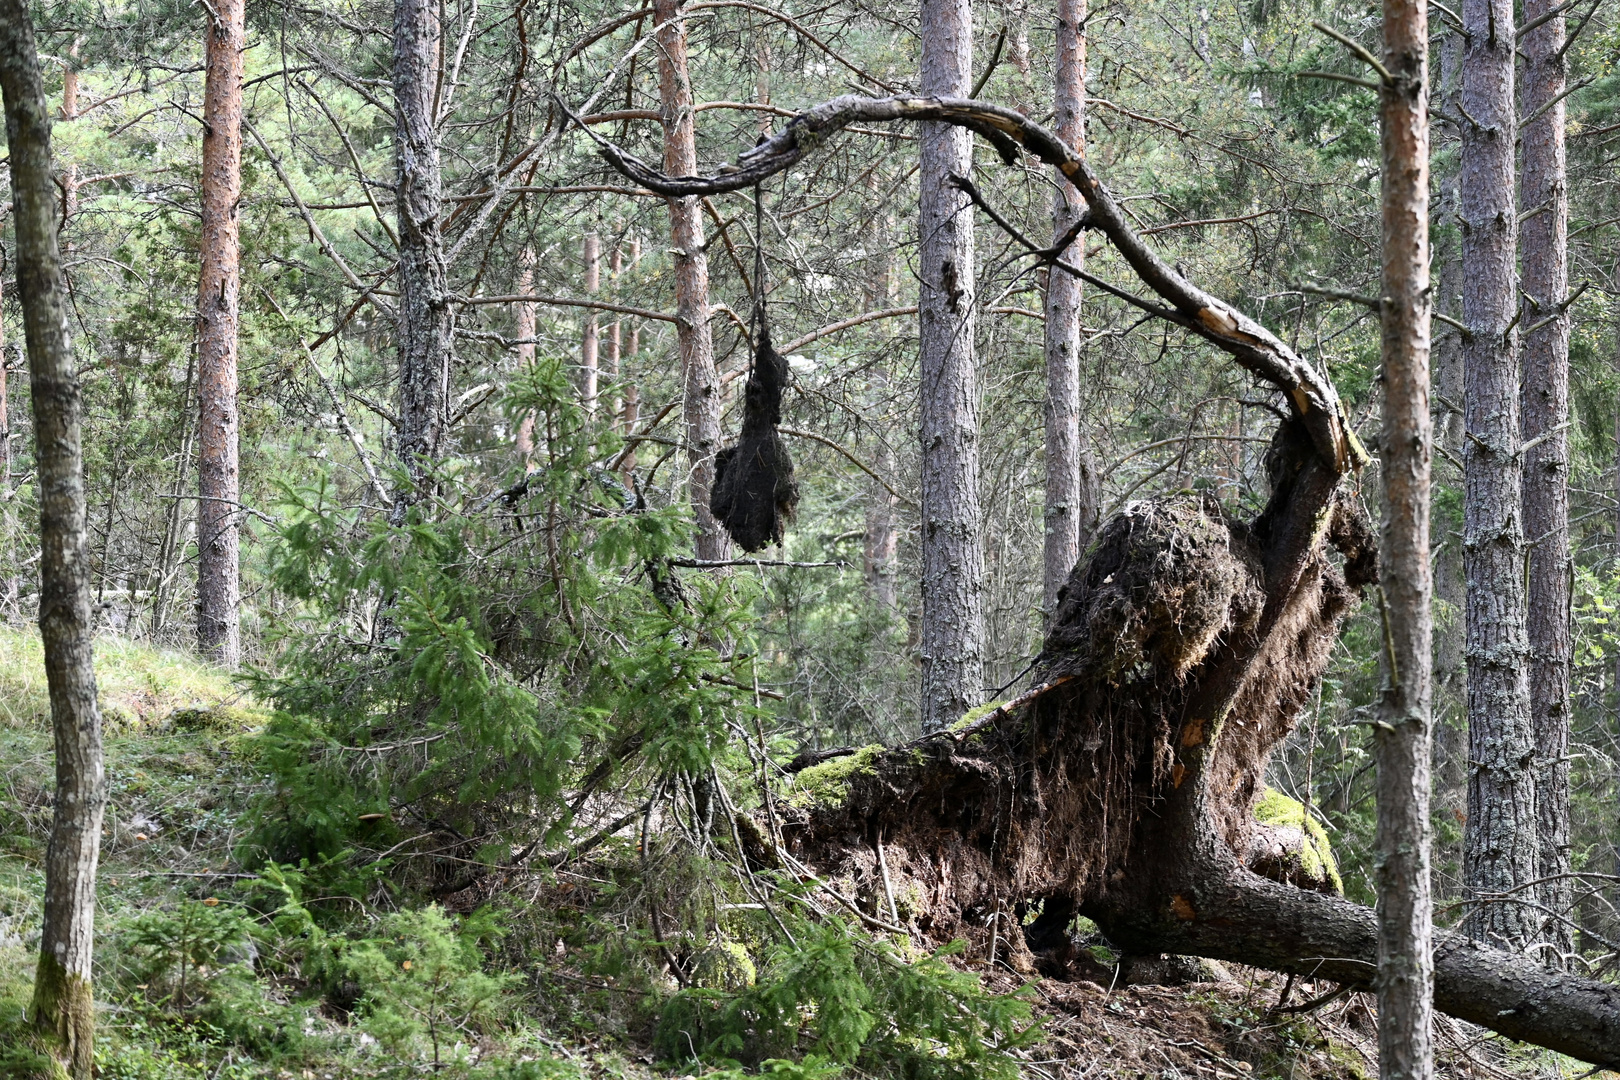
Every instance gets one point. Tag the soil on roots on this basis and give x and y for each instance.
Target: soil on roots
(964, 833)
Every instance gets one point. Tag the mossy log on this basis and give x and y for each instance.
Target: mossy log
(1182, 652)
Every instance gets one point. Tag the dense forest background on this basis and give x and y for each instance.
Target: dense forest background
(525, 697)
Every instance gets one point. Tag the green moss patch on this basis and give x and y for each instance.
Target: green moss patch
(1278, 810)
(140, 686)
(828, 783)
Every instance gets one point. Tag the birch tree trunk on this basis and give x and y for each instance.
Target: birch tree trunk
(952, 555)
(1402, 741)
(63, 1005)
(425, 319)
(1499, 846)
(219, 587)
(701, 381)
(590, 338)
(1071, 482)
(1545, 404)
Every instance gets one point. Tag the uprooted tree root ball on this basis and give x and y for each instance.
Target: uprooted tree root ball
(1124, 786)
(976, 826)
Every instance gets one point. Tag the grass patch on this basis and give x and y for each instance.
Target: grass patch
(139, 685)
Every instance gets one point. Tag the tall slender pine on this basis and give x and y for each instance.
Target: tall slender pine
(1405, 979)
(1499, 844)
(1544, 237)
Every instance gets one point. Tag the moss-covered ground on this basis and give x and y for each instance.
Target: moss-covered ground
(207, 970)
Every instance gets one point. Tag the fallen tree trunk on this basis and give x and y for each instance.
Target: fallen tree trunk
(1245, 918)
(1180, 655)
(1124, 789)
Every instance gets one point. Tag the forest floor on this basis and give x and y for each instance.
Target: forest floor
(182, 776)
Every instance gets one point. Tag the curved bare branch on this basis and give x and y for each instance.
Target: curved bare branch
(1311, 395)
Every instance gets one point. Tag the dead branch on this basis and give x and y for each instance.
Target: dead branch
(1254, 347)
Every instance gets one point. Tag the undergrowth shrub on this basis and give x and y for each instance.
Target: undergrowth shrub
(833, 996)
(447, 676)
(422, 982)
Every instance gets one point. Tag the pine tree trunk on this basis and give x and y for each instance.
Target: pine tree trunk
(762, 79)
(63, 1005)
(1615, 868)
(524, 324)
(1405, 980)
(590, 338)
(631, 410)
(219, 587)
(1450, 589)
(425, 319)
(882, 540)
(68, 181)
(1071, 486)
(1545, 389)
(701, 381)
(1500, 837)
(952, 555)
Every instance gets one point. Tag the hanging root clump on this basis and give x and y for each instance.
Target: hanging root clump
(754, 491)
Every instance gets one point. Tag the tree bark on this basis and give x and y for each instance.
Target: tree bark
(1071, 482)
(881, 542)
(63, 1004)
(524, 325)
(69, 177)
(1450, 589)
(614, 344)
(1545, 401)
(590, 338)
(1499, 847)
(631, 390)
(8, 522)
(948, 396)
(426, 325)
(219, 586)
(1402, 739)
(700, 380)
